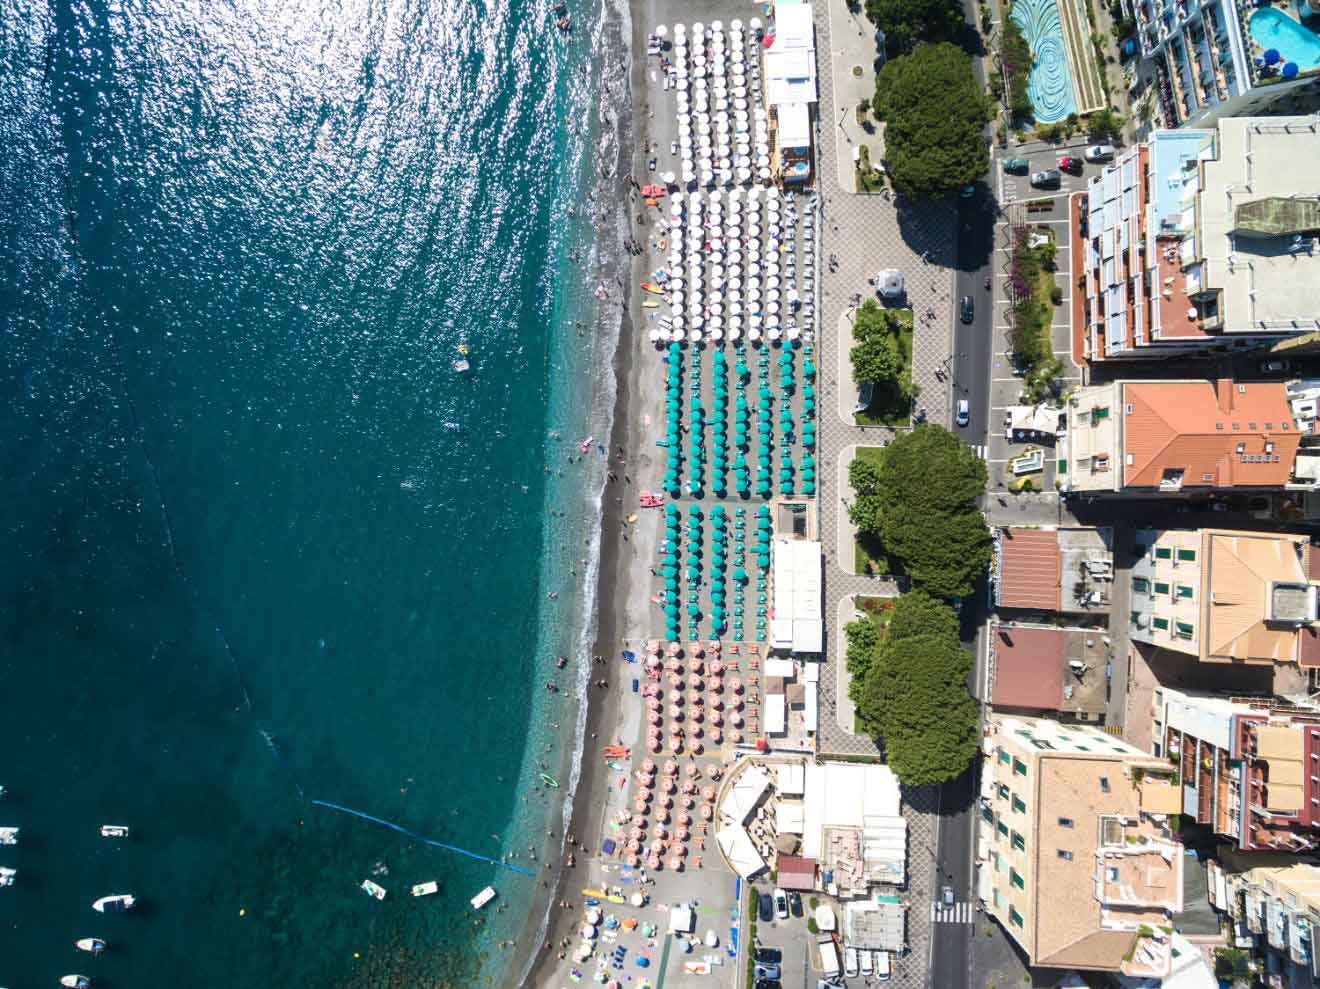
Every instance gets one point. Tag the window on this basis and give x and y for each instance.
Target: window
(1018, 805)
(1163, 553)
(1003, 757)
(1136, 619)
(1104, 784)
(1128, 408)
(1065, 822)
(1014, 917)
(1161, 587)
(1016, 879)
(1063, 854)
(1186, 630)
(1003, 829)
(1019, 842)
(1141, 585)
(1098, 413)
(1187, 555)
(1019, 767)
(998, 900)
(988, 815)
(1003, 791)
(1160, 623)
(1185, 591)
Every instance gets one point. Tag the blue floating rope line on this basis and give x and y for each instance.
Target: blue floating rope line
(416, 837)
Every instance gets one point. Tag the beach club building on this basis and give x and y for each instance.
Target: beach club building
(1199, 240)
(789, 63)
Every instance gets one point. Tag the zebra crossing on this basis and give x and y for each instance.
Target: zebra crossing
(980, 450)
(959, 913)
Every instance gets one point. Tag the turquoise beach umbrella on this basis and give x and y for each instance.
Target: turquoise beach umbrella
(739, 574)
(671, 610)
(693, 610)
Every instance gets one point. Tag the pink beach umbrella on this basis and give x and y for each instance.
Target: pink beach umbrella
(652, 704)
(716, 685)
(694, 696)
(715, 702)
(736, 685)
(707, 812)
(639, 805)
(708, 793)
(696, 747)
(716, 718)
(714, 645)
(696, 714)
(671, 767)
(695, 681)
(716, 736)
(668, 785)
(663, 803)
(674, 666)
(694, 730)
(676, 864)
(675, 728)
(657, 846)
(675, 649)
(696, 649)
(653, 662)
(636, 833)
(675, 680)
(653, 863)
(653, 744)
(735, 719)
(633, 861)
(696, 666)
(693, 769)
(716, 667)
(675, 743)
(653, 717)
(689, 787)
(679, 850)
(688, 802)
(684, 819)
(653, 645)
(634, 845)
(682, 834)
(736, 703)
(660, 831)
(735, 737)
(675, 712)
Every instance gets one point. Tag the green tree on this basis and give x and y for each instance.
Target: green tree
(867, 512)
(917, 613)
(915, 696)
(864, 476)
(906, 22)
(863, 636)
(929, 520)
(1104, 123)
(934, 112)
(877, 360)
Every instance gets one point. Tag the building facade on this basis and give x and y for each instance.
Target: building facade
(1273, 903)
(1249, 768)
(1077, 861)
(1200, 240)
(1227, 596)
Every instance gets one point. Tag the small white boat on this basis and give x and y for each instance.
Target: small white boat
(374, 889)
(461, 365)
(484, 897)
(7, 876)
(8, 836)
(92, 944)
(76, 981)
(426, 889)
(114, 830)
(115, 903)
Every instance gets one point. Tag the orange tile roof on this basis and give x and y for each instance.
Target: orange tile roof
(1196, 426)
(1031, 569)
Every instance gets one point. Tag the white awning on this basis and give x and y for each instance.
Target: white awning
(775, 714)
(745, 794)
(681, 919)
(778, 667)
(740, 850)
(809, 706)
(794, 129)
(789, 817)
(797, 623)
(790, 778)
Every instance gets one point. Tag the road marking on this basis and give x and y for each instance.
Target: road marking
(959, 913)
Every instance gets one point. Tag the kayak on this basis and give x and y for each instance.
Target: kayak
(648, 304)
(648, 287)
(549, 781)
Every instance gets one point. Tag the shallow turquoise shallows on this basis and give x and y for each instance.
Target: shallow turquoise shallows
(264, 543)
(1295, 42)
(1050, 83)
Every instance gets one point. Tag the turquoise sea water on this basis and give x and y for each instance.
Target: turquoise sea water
(263, 543)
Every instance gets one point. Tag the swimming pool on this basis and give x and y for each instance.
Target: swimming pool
(1272, 28)
(1050, 84)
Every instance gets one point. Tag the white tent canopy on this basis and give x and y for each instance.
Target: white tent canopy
(790, 778)
(746, 794)
(740, 850)
(681, 919)
(797, 623)
(775, 714)
(789, 817)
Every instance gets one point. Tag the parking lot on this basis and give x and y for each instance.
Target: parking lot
(1045, 210)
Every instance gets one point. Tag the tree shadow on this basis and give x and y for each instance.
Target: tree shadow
(969, 40)
(928, 230)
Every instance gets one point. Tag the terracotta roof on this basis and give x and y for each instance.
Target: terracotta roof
(1242, 566)
(1030, 569)
(1196, 427)
(795, 872)
(1028, 667)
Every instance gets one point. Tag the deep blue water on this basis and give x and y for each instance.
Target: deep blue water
(262, 542)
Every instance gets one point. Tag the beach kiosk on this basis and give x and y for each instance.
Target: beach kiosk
(681, 919)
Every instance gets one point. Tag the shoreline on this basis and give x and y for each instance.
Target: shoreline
(618, 585)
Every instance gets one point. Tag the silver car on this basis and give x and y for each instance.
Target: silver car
(1050, 176)
(1099, 152)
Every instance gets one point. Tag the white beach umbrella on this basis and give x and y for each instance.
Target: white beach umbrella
(661, 30)
(680, 29)
(753, 334)
(694, 336)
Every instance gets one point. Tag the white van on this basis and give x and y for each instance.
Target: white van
(865, 959)
(829, 956)
(882, 965)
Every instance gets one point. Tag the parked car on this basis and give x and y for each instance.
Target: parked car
(964, 415)
(768, 956)
(765, 971)
(966, 309)
(1070, 163)
(865, 958)
(795, 903)
(850, 962)
(768, 984)
(1015, 165)
(882, 966)
(1100, 152)
(767, 907)
(1274, 366)
(781, 904)
(1049, 176)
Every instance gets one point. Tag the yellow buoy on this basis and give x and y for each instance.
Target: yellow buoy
(242, 911)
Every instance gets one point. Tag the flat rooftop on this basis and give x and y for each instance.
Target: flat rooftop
(1267, 284)
(1050, 669)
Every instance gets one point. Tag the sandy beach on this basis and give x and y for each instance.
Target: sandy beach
(625, 549)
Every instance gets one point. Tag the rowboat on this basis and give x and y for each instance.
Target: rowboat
(93, 944)
(482, 898)
(374, 889)
(114, 830)
(549, 780)
(425, 889)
